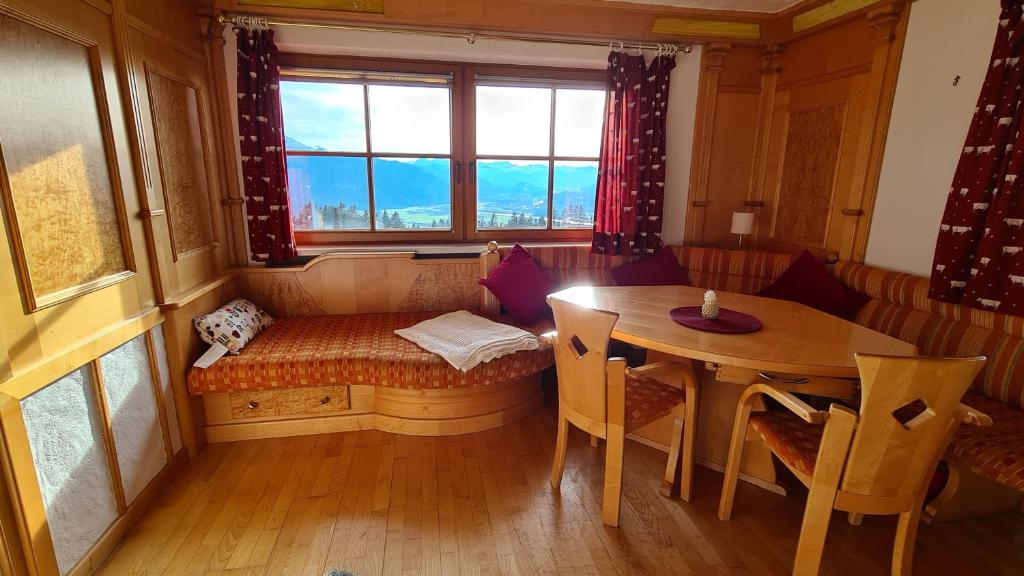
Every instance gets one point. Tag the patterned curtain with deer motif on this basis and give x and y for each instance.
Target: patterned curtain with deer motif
(979, 256)
(261, 138)
(631, 173)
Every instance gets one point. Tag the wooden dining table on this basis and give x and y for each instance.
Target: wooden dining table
(802, 349)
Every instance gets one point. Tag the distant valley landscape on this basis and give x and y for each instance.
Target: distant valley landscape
(332, 192)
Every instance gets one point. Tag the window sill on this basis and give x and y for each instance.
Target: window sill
(431, 249)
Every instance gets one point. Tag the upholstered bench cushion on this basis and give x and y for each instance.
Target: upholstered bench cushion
(996, 452)
(355, 349)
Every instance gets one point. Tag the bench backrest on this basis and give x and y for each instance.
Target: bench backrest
(900, 307)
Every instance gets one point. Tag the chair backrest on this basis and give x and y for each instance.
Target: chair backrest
(581, 358)
(907, 407)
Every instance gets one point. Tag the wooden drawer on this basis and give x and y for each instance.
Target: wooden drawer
(261, 404)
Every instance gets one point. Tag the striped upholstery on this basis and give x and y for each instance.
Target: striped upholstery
(713, 268)
(996, 452)
(900, 307)
(794, 441)
(731, 270)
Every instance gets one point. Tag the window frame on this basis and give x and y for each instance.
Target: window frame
(463, 152)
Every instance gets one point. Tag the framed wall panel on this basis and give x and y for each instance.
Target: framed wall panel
(810, 163)
(59, 176)
(134, 413)
(179, 126)
(65, 432)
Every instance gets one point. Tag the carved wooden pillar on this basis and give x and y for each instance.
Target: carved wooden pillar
(232, 199)
(887, 41)
(713, 62)
(762, 131)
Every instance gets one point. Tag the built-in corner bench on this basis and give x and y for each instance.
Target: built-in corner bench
(331, 361)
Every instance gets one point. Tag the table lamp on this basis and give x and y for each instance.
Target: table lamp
(742, 225)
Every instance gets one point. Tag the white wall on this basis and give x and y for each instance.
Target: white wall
(682, 95)
(930, 118)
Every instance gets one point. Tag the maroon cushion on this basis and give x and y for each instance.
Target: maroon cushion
(808, 282)
(662, 269)
(520, 285)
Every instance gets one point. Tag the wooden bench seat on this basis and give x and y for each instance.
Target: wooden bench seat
(312, 351)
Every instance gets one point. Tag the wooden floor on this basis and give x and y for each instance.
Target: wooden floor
(376, 503)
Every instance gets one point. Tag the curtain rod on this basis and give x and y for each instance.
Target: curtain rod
(245, 21)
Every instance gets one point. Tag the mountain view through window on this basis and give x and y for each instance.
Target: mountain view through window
(364, 156)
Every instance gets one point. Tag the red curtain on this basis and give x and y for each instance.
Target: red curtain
(979, 256)
(631, 174)
(261, 137)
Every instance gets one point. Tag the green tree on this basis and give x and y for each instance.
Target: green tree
(396, 220)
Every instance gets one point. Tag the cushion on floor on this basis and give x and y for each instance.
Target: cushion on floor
(356, 349)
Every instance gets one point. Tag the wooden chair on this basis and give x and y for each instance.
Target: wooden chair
(605, 398)
(877, 461)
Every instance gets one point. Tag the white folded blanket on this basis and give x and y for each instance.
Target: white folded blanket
(466, 340)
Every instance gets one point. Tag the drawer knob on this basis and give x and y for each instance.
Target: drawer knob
(325, 400)
(253, 405)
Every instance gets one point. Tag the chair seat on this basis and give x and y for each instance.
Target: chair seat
(794, 441)
(648, 399)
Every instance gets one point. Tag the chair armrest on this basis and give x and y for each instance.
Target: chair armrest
(788, 400)
(973, 416)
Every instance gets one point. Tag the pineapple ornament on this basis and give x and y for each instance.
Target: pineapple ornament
(709, 310)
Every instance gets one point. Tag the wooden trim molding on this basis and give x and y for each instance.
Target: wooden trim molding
(713, 63)
(889, 30)
(770, 71)
(690, 27)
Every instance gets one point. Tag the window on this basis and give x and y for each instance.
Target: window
(537, 149)
(368, 153)
(383, 151)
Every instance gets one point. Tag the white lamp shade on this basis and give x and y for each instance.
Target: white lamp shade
(742, 222)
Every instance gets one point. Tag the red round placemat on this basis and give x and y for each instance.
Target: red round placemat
(728, 321)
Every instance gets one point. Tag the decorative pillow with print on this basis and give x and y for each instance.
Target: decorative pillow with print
(233, 325)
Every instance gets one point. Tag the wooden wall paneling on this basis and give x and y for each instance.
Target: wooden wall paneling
(729, 165)
(712, 65)
(184, 347)
(23, 486)
(61, 183)
(762, 131)
(141, 167)
(113, 467)
(179, 124)
(804, 201)
(178, 127)
(30, 336)
(601, 20)
(889, 26)
(154, 370)
(336, 284)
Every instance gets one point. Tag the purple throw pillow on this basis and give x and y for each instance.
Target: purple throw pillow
(661, 269)
(520, 285)
(809, 282)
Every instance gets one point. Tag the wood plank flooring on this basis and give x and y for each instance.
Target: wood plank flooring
(376, 503)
